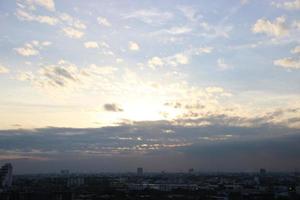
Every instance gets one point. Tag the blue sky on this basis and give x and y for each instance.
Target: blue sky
(94, 64)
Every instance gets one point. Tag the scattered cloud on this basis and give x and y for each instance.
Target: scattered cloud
(71, 21)
(111, 107)
(3, 70)
(155, 62)
(72, 33)
(133, 46)
(278, 28)
(26, 16)
(289, 5)
(91, 45)
(103, 21)
(222, 64)
(150, 16)
(32, 48)
(178, 30)
(47, 4)
(65, 74)
(182, 58)
(214, 90)
(190, 13)
(289, 63)
(296, 50)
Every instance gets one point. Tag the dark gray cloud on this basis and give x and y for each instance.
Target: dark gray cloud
(157, 145)
(112, 107)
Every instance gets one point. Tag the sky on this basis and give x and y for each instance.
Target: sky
(165, 85)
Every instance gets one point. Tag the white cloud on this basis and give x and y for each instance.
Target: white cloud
(214, 30)
(32, 48)
(27, 51)
(91, 45)
(178, 30)
(65, 74)
(3, 70)
(214, 90)
(48, 4)
(155, 62)
(288, 63)
(133, 46)
(201, 50)
(103, 21)
(71, 21)
(72, 33)
(289, 5)
(296, 50)
(119, 60)
(190, 13)
(277, 28)
(174, 60)
(182, 58)
(222, 65)
(150, 16)
(25, 16)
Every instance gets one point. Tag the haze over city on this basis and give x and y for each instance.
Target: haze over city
(109, 86)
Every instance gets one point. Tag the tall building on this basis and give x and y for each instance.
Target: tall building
(140, 171)
(262, 172)
(6, 175)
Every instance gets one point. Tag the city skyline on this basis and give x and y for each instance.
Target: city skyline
(164, 85)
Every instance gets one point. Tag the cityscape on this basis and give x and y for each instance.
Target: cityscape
(191, 184)
(149, 99)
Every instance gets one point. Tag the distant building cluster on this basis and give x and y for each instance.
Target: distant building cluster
(6, 173)
(192, 185)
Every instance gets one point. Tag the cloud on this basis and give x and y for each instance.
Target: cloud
(182, 58)
(91, 45)
(178, 30)
(214, 90)
(175, 60)
(150, 16)
(112, 107)
(226, 145)
(296, 50)
(278, 28)
(3, 70)
(47, 4)
(72, 33)
(289, 5)
(222, 65)
(155, 62)
(103, 21)
(133, 46)
(71, 21)
(25, 16)
(289, 63)
(65, 74)
(32, 48)
(190, 13)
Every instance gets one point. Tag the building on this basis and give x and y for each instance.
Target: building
(262, 172)
(64, 172)
(140, 171)
(6, 175)
(191, 170)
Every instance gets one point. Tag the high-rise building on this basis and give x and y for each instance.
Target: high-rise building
(262, 172)
(6, 175)
(140, 171)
